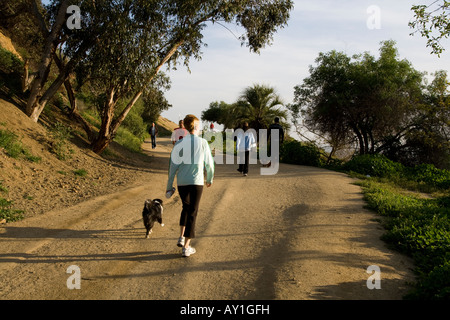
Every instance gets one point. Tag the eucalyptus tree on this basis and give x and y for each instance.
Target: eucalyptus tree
(122, 45)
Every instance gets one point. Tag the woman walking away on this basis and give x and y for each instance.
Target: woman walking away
(190, 157)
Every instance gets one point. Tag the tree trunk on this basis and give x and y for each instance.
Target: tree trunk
(101, 143)
(35, 105)
(360, 138)
(105, 135)
(75, 115)
(40, 102)
(372, 143)
(26, 78)
(366, 143)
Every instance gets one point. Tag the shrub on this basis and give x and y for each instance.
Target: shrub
(295, 152)
(430, 175)
(11, 68)
(135, 125)
(436, 286)
(9, 63)
(125, 138)
(374, 166)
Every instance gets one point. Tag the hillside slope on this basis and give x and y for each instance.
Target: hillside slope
(38, 187)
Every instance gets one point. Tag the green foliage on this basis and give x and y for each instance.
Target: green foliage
(9, 63)
(60, 134)
(13, 147)
(10, 72)
(135, 124)
(373, 165)
(124, 135)
(80, 172)
(221, 113)
(258, 105)
(126, 51)
(432, 22)
(420, 228)
(6, 212)
(426, 177)
(296, 152)
(429, 174)
(127, 139)
(380, 103)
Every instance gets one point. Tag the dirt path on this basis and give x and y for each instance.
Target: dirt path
(302, 234)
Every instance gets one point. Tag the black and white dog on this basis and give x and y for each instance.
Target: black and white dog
(152, 212)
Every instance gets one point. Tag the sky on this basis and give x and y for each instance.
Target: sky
(350, 26)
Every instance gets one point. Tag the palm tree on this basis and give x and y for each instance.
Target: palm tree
(259, 105)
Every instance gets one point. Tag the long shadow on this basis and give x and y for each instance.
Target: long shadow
(20, 233)
(126, 256)
(265, 285)
(353, 290)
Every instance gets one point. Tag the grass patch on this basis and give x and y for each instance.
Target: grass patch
(420, 228)
(6, 210)
(80, 172)
(14, 148)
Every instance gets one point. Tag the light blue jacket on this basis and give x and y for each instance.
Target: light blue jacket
(190, 157)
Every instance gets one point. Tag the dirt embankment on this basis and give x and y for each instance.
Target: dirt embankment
(38, 187)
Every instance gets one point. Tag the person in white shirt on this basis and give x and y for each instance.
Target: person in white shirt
(179, 133)
(244, 143)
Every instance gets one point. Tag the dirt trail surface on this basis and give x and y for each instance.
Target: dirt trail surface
(301, 234)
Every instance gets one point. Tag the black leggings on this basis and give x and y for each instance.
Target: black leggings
(244, 166)
(190, 197)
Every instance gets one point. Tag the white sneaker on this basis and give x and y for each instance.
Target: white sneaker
(188, 251)
(180, 242)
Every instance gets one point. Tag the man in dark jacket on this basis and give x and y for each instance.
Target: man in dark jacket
(277, 126)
